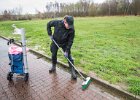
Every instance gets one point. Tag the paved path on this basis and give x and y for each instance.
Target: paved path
(42, 85)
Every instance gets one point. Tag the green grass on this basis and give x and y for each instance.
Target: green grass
(107, 46)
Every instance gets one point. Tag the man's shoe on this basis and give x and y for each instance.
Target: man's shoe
(73, 73)
(53, 69)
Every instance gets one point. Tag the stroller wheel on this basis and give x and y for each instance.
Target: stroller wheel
(26, 77)
(10, 76)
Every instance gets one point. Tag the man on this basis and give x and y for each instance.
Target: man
(63, 35)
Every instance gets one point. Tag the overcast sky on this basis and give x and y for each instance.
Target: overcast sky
(29, 6)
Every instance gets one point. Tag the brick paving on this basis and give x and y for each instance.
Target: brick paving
(42, 85)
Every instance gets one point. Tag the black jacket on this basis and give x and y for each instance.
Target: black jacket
(61, 35)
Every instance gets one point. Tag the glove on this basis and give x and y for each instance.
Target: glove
(66, 54)
(51, 37)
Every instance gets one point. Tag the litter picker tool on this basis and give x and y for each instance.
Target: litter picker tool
(87, 80)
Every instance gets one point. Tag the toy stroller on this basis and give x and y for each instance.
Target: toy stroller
(18, 59)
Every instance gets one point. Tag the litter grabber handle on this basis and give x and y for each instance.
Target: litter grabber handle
(69, 60)
(10, 41)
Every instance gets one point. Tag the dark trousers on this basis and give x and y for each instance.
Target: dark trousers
(54, 50)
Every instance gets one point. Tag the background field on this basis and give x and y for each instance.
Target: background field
(106, 46)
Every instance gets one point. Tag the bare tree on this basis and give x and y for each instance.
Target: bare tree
(136, 7)
(81, 8)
